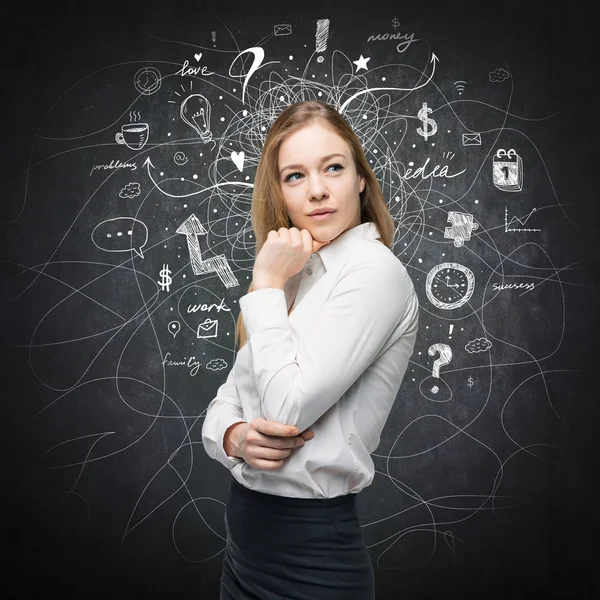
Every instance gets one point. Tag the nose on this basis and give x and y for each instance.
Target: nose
(317, 188)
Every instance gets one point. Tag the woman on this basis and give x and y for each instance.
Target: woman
(326, 331)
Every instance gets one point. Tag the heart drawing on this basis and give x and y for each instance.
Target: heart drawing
(238, 159)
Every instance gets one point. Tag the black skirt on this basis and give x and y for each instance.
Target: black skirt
(294, 548)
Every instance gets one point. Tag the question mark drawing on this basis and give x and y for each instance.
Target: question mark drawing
(259, 55)
(445, 357)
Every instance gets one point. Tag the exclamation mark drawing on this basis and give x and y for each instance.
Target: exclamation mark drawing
(321, 37)
(451, 328)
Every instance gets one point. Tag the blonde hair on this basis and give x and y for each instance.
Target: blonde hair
(268, 210)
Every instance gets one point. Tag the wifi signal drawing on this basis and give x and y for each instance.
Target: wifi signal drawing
(460, 86)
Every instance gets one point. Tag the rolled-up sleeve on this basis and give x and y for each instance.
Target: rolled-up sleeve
(298, 380)
(222, 412)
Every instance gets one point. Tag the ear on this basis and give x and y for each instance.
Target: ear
(362, 183)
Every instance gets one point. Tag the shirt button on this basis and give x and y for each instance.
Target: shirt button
(309, 271)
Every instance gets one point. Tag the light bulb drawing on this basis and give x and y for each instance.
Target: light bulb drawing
(195, 111)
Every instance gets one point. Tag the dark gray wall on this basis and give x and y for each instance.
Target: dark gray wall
(485, 488)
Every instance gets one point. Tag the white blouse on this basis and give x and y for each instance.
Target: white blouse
(334, 365)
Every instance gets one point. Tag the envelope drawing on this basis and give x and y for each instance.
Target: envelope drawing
(208, 329)
(471, 139)
(282, 29)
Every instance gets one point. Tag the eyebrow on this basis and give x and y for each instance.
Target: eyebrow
(324, 159)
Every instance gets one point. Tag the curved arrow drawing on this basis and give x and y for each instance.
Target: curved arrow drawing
(149, 164)
(433, 60)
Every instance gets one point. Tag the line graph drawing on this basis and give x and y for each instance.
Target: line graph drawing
(509, 225)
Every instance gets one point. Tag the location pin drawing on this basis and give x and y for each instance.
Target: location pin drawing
(174, 327)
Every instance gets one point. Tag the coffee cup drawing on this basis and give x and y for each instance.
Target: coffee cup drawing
(133, 135)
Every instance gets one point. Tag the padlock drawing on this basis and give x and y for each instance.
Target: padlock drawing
(507, 171)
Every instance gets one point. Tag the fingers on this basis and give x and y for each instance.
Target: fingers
(273, 442)
(293, 236)
(297, 239)
(273, 435)
(269, 443)
(274, 428)
(267, 457)
(261, 452)
(267, 465)
(318, 245)
(307, 241)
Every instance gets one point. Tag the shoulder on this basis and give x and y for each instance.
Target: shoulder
(377, 276)
(378, 263)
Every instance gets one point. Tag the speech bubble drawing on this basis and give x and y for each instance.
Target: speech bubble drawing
(121, 234)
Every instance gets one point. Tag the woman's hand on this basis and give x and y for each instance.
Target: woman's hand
(283, 254)
(263, 444)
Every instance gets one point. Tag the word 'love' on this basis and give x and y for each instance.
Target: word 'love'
(187, 70)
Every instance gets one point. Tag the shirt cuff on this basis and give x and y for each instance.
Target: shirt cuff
(264, 309)
(228, 461)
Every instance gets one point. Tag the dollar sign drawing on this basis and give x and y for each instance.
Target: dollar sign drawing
(470, 381)
(422, 116)
(166, 281)
(395, 22)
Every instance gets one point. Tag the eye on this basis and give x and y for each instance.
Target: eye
(336, 165)
(289, 177)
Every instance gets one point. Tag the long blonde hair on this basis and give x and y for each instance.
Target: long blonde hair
(268, 210)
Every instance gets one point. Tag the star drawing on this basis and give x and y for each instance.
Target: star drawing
(361, 63)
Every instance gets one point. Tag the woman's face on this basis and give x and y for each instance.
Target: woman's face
(317, 171)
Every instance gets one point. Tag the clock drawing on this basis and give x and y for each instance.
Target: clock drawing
(449, 285)
(147, 80)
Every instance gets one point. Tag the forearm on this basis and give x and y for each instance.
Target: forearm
(263, 280)
(222, 413)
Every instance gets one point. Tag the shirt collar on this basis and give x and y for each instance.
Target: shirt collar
(335, 254)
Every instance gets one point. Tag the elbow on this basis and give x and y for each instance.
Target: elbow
(288, 412)
(208, 442)
(280, 398)
(283, 411)
(289, 401)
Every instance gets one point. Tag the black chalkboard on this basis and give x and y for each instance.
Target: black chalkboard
(131, 137)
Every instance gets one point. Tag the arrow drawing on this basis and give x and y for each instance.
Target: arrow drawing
(148, 164)
(192, 228)
(433, 60)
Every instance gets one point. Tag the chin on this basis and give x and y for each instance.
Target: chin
(325, 234)
(322, 238)
(322, 233)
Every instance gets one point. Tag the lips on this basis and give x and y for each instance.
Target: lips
(324, 216)
(321, 211)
